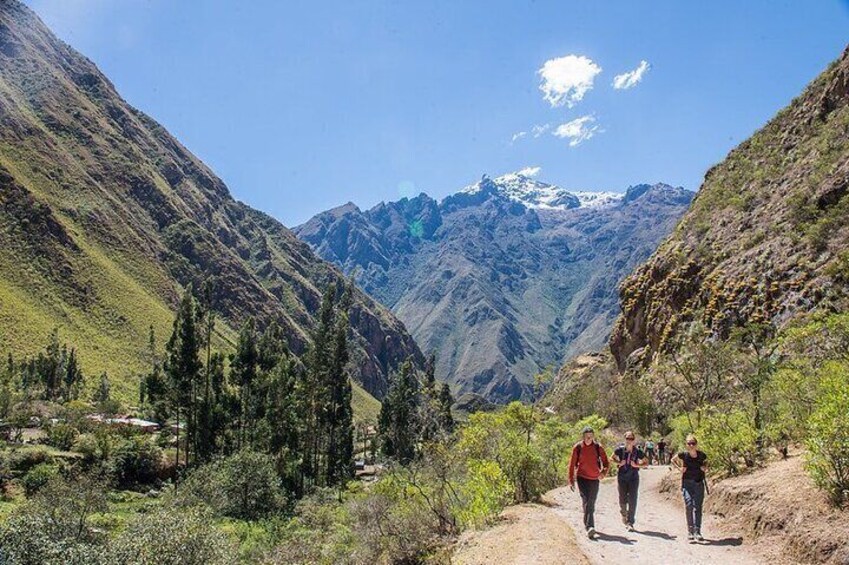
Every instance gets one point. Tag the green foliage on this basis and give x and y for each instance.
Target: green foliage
(23, 459)
(61, 436)
(172, 536)
(399, 424)
(485, 492)
(244, 485)
(38, 477)
(530, 450)
(728, 435)
(54, 527)
(135, 462)
(828, 434)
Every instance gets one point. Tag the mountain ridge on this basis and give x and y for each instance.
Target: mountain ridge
(765, 239)
(132, 219)
(502, 278)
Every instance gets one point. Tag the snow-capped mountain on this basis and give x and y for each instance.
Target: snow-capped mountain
(521, 187)
(504, 277)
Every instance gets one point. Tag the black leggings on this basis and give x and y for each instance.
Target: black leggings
(589, 494)
(628, 498)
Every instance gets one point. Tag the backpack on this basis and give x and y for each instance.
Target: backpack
(597, 453)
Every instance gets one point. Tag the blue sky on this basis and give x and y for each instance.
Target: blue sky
(302, 105)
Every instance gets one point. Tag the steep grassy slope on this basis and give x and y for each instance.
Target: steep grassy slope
(766, 238)
(497, 289)
(105, 218)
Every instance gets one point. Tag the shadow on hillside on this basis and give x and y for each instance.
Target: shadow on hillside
(600, 536)
(724, 542)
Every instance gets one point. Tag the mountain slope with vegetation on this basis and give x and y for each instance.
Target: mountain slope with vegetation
(503, 279)
(105, 218)
(766, 238)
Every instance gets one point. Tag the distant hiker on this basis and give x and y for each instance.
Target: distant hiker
(589, 463)
(661, 451)
(630, 459)
(649, 450)
(693, 464)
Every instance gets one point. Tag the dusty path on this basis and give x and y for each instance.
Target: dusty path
(661, 531)
(529, 534)
(542, 534)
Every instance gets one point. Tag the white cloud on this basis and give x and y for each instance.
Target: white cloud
(631, 78)
(565, 80)
(577, 131)
(518, 135)
(530, 171)
(537, 131)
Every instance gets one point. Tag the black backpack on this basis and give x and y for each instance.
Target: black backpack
(597, 453)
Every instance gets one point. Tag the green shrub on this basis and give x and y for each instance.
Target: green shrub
(37, 477)
(828, 434)
(22, 460)
(173, 536)
(484, 493)
(727, 435)
(244, 485)
(53, 527)
(62, 436)
(136, 462)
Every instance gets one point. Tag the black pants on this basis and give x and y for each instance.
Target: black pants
(589, 494)
(694, 497)
(628, 498)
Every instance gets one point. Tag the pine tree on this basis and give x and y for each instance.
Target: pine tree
(282, 420)
(183, 366)
(340, 429)
(446, 400)
(243, 370)
(104, 390)
(316, 391)
(399, 429)
(429, 412)
(73, 379)
(205, 441)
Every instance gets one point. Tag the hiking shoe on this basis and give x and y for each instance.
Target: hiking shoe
(630, 527)
(698, 536)
(691, 537)
(591, 533)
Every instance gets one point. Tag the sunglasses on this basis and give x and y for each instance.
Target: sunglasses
(691, 443)
(629, 439)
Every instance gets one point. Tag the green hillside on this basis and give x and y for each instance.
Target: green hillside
(105, 219)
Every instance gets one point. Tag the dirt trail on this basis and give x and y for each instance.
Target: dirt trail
(661, 530)
(542, 534)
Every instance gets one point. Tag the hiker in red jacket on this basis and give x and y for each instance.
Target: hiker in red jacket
(589, 463)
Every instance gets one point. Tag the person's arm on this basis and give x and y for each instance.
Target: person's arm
(642, 461)
(676, 462)
(605, 464)
(573, 463)
(704, 462)
(618, 460)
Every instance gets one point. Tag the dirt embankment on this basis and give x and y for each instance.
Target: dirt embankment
(527, 534)
(789, 518)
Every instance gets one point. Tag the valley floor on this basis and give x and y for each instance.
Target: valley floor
(543, 533)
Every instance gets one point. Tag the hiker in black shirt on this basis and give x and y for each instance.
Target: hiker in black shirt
(693, 464)
(630, 459)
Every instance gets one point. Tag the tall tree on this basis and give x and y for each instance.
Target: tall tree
(183, 367)
(243, 370)
(399, 426)
(340, 425)
(446, 400)
(316, 391)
